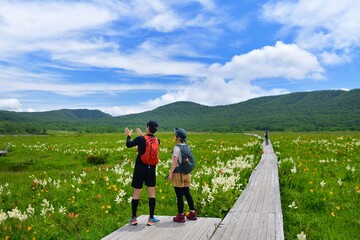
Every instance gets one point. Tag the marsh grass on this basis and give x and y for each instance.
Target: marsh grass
(319, 173)
(49, 189)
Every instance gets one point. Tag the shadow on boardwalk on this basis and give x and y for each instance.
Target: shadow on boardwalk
(256, 215)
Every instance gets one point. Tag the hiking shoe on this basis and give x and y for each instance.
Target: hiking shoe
(153, 221)
(191, 215)
(133, 221)
(179, 218)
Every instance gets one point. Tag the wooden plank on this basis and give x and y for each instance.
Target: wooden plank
(254, 227)
(270, 231)
(262, 230)
(202, 228)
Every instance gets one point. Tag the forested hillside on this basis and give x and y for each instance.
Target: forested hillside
(303, 111)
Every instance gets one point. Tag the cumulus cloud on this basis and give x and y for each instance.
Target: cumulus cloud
(10, 104)
(282, 60)
(232, 81)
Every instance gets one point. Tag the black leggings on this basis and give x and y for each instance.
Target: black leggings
(180, 192)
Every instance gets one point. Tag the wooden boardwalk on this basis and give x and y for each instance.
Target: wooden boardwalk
(201, 229)
(256, 215)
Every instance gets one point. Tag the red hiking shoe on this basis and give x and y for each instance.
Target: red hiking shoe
(179, 218)
(191, 215)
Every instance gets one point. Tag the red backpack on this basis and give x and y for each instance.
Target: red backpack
(151, 155)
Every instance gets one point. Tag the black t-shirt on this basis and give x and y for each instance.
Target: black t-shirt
(139, 141)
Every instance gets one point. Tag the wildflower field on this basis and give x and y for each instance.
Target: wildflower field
(72, 186)
(319, 184)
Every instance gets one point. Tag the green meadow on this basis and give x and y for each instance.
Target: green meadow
(319, 184)
(77, 186)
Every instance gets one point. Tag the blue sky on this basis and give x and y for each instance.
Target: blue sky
(125, 57)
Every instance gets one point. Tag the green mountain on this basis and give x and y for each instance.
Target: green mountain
(39, 122)
(303, 111)
(62, 115)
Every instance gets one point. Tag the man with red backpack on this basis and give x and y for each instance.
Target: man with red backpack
(145, 168)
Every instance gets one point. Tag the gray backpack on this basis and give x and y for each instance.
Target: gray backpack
(187, 163)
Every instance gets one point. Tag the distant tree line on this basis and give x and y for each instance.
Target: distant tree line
(304, 111)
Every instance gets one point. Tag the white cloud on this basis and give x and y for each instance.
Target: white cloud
(10, 104)
(100, 34)
(124, 110)
(139, 63)
(39, 19)
(282, 60)
(331, 58)
(321, 25)
(78, 90)
(64, 32)
(232, 81)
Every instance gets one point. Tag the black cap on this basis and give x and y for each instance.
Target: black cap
(153, 126)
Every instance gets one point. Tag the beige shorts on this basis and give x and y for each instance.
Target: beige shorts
(176, 180)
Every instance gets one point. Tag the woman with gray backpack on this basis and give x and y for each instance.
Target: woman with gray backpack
(179, 174)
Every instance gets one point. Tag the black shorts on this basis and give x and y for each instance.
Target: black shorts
(148, 176)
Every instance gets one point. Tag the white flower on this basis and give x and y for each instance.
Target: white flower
(293, 170)
(301, 236)
(43, 212)
(348, 167)
(22, 217)
(62, 210)
(83, 174)
(51, 209)
(3, 216)
(78, 190)
(118, 199)
(30, 210)
(210, 198)
(15, 213)
(340, 182)
(292, 205)
(57, 184)
(353, 169)
(45, 203)
(322, 183)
